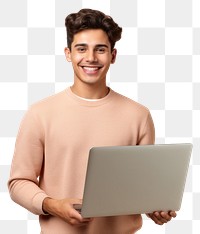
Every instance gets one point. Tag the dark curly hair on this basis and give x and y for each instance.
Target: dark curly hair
(91, 19)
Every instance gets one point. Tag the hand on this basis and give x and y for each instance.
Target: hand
(161, 217)
(64, 210)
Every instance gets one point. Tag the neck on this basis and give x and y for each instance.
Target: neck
(90, 91)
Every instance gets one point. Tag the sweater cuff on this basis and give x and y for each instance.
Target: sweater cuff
(37, 203)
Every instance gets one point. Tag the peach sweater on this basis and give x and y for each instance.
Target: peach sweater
(52, 148)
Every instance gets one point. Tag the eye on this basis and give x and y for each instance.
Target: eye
(100, 50)
(81, 49)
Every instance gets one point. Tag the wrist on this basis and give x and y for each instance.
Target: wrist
(46, 205)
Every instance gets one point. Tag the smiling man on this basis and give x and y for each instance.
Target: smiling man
(52, 146)
(91, 56)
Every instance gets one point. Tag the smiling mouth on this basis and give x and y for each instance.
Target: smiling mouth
(90, 70)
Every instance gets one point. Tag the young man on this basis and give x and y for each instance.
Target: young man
(51, 153)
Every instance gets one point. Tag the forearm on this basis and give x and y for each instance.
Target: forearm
(27, 194)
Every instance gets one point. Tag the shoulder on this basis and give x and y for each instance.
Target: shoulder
(49, 102)
(47, 107)
(124, 102)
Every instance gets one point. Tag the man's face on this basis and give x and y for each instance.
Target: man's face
(91, 56)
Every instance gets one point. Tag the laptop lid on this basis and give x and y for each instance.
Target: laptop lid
(123, 180)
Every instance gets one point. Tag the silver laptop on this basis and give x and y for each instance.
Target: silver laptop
(123, 180)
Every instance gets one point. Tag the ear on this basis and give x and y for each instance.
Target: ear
(67, 54)
(114, 54)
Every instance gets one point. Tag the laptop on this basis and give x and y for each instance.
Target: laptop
(124, 180)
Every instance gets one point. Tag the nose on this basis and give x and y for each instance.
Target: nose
(91, 56)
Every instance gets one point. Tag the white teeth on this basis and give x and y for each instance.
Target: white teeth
(91, 68)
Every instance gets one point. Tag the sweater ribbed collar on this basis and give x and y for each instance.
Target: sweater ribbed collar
(90, 102)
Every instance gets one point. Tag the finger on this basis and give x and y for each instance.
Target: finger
(155, 219)
(76, 222)
(162, 217)
(172, 214)
(74, 214)
(166, 216)
(86, 220)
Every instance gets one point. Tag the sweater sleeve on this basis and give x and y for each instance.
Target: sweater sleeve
(148, 134)
(27, 164)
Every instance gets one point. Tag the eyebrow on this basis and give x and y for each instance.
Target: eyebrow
(98, 45)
